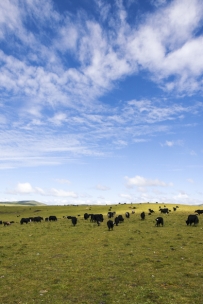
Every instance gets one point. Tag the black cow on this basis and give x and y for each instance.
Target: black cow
(199, 211)
(74, 220)
(120, 218)
(174, 208)
(46, 219)
(151, 211)
(86, 216)
(116, 221)
(142, 215)
(127, 214)
(98, 218)
(37, 219)
(52, 218)
(192, 218)
(110, 224)
(1, 222)
(111, 214)
(159, 221)
(164, 210)
(25, 220)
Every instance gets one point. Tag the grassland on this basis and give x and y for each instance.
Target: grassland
(136, 263)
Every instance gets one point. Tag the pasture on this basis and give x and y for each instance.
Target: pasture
(136, 263)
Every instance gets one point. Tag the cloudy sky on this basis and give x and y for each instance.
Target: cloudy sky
(101, 101)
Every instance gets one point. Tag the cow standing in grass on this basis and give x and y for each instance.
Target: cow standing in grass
(110, 224)
(192, 219)
(120, 218)
(74, 220)
(111, 214)
(86, 216)
(6, 223)
(127, 214)
(25, 220)
(52, 218)
(159, 221)
(199, 211)
(142, 215)
(116, 221)
(164, 210)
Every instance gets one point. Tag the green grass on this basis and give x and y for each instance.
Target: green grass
(54, 262)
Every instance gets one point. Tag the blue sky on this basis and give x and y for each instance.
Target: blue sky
(101, 101)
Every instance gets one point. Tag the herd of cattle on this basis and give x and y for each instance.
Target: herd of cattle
(98, 218)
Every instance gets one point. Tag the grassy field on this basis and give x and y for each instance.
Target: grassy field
(54, 262)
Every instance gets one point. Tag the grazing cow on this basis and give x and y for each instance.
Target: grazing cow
(74, 220)
(199, 211)
(6, 223)
(52, 218)
(25, 220)
(116, 221)
(192, 218)
(110, 224)
(174, 208)
(46, 219)
(159, 221)
(86, 216)
(37, 219)
(151, 211)
(120, 218)
(127, 214)
(97, 218)
(1, 222)
(111, 214)
(142, 215)
(164, 210)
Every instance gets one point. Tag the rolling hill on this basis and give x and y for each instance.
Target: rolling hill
(22, 203)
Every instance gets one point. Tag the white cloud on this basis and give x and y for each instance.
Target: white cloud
(190, 180)
(24, 188)
(169, 143)
(63, 181)
(58, 119)
(173, 143)
(182, 196)
(126, 196)
(140, 181)
(102, 187)
(62, 193)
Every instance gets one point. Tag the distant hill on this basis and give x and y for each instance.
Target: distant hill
(23, 203)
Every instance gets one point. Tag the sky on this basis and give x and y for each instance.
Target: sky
(101, 102)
